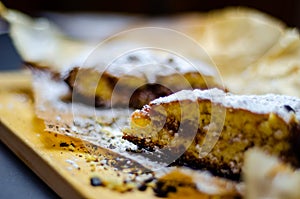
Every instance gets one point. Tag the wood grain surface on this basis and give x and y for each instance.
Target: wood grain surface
(65, 170)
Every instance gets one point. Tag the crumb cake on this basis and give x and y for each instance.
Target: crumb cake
(267, 121)
(137, 78)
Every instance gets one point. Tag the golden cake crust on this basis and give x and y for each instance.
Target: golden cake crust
(267, 121)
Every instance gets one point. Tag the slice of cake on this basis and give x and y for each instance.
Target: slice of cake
(211, 129)
(139, 77)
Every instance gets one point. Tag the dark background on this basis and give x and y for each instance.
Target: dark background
(287, 10)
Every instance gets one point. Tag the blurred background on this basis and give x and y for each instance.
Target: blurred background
(18, 181)
(287, 10)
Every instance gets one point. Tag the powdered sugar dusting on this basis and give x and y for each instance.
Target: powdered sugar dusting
(101, 127)
(148, 63)
(284, 106)
(72, 163)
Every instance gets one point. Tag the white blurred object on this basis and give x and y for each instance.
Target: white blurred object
(92, 26)
(266, 177)
(41, 42)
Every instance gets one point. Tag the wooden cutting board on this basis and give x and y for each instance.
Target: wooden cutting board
(65, 170)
